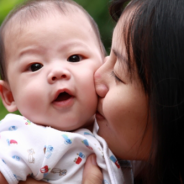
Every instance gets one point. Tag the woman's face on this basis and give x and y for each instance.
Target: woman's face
(123, 105)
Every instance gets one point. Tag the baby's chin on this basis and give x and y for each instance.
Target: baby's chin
(63, 123)
(88, 125)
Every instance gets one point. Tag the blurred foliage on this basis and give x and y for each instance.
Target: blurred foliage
(98, 9)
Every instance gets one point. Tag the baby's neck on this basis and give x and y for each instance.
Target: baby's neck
(90, 127)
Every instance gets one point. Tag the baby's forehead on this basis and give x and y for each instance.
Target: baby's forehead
(28, 18)
(39, 11)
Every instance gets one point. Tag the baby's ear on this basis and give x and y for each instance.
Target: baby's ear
(7, 97)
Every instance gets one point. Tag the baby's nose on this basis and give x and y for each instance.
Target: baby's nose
(58, 74)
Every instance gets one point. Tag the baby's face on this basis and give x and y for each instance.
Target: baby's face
(50, 64)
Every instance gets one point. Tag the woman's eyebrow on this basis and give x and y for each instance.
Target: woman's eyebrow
(120, 56)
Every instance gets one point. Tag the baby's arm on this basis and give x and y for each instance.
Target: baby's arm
(28, 181)
(32, 181)
(2, 179)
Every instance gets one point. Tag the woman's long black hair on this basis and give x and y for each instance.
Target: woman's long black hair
(156, 34)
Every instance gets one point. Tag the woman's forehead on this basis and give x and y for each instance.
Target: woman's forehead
(122, 40)
(122, 26)
(119, 34)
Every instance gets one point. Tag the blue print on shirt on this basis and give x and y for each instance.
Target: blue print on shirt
(12, 128)
(16, 157)
(87, 133)
(48, 150)
(67, 140)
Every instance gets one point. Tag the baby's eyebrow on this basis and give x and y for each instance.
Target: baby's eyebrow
(30, 50)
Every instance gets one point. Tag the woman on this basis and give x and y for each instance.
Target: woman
(149, 38)
(141, 90)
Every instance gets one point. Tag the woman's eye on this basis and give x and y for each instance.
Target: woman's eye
(116, 77)
(75, 58)
(36, 66)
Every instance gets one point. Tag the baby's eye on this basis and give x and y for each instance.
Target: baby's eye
(36, 66)
(75, 58)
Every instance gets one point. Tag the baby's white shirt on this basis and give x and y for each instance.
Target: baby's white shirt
(52, 155)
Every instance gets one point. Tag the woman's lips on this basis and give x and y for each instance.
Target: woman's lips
(99, 116)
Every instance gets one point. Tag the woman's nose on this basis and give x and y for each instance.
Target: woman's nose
(58, 74)
(101, 84)
(106, 58)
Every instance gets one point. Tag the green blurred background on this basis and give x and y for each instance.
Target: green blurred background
(98, 9)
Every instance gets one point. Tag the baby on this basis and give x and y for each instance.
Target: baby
(49, 52)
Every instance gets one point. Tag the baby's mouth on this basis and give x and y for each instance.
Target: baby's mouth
(63, 97)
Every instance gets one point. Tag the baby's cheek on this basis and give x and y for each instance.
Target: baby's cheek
(98, 66)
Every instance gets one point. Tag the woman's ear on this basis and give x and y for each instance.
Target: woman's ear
(7, 97)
